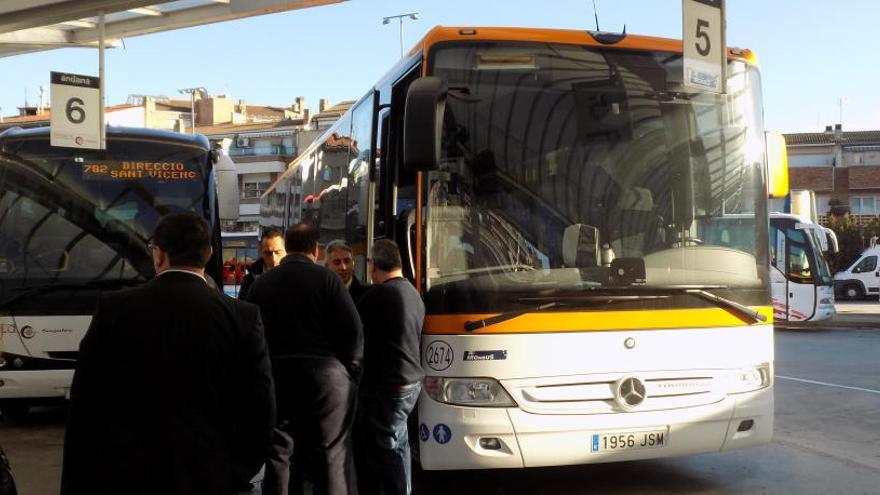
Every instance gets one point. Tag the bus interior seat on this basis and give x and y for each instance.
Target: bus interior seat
(580, 246)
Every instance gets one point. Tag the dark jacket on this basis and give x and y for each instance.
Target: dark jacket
(356, 289)
(7, 484)
(393, 314)
(172, 393)
(253, 271)
(308, 312)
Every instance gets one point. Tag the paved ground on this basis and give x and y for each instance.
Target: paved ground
(826, 441)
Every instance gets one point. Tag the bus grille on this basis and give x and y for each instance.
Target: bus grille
(595, 394)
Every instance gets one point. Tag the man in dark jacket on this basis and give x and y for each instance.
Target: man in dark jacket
(393, 314)
(338, 258)
(271, 253)
(7, 484)
(316, 345)
(172, 391)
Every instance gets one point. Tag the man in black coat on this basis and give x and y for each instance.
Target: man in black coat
(338, 257)
(393, 314)
(316, 345)
(172, 391)
(271, 253)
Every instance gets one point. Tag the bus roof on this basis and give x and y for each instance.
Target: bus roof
(440, 34)
(196, 140)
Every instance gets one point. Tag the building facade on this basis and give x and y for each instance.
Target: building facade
(842, 168)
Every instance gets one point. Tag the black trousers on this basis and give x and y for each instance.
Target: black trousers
(316, 399)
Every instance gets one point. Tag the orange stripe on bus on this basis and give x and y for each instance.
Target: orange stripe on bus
(592, 321)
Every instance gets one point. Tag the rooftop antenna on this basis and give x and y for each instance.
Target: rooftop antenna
(596, 15)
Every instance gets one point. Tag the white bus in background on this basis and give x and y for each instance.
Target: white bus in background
(800, 281)
(76, 222)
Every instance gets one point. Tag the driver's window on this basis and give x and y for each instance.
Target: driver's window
(868, 264)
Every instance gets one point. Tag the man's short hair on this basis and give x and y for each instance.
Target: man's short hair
(386, 255)
(185, 237)
(271, 233)
(301, 238)
(337, 245)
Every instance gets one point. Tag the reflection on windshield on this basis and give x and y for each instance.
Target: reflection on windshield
(567, 166)
(60, 223)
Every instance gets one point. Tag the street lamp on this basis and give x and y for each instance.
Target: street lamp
(412, 15)
(192, 98)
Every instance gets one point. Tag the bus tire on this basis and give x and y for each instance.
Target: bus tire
(853, 291)
(13, 410)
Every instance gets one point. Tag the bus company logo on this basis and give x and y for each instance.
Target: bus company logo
(57, 330)
(630, 392)
(27, 332)
(485, 355)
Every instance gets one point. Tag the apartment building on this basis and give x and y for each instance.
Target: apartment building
(843, 168)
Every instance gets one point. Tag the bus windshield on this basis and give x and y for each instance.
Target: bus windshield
(574, 167)
(823, 272)
(71, 216)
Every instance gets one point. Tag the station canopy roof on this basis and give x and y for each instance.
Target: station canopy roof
(37, 25)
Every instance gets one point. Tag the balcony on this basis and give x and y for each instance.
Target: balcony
(273, 150)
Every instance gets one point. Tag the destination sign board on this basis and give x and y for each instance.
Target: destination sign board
(133, 170)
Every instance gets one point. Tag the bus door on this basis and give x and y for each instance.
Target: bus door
(801, 286)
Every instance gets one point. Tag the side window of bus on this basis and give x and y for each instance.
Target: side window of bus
(799, 265)
(357, 211)
(868, 264)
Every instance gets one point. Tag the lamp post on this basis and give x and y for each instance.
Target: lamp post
(412, 15)
(192, 105)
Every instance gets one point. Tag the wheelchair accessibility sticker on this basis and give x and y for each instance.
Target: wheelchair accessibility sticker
(424, 434)
(442, 434)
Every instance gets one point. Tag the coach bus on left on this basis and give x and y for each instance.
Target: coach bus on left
(76, 222)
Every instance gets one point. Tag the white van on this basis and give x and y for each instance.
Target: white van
(862, 278)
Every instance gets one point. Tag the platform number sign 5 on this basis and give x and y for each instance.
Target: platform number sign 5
(76, 122)
(705, 53)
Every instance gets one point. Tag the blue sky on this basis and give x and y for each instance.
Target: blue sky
(812, 52)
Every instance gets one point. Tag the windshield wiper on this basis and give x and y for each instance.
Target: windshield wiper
(472, 325)
(28, 292)
(741, 309)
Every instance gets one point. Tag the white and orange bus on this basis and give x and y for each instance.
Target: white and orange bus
(547, 189)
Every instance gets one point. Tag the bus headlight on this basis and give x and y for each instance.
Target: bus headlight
(480, 392)
(750, 379)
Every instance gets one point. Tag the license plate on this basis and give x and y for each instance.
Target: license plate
(629, 440)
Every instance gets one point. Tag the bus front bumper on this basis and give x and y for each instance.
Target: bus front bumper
(489, 438)
(35, 384)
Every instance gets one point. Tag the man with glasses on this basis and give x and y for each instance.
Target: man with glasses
(271, 252)
(338, 258)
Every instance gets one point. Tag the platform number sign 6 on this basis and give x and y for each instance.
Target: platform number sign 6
(77, 124)
(74, 110)
(704, 49)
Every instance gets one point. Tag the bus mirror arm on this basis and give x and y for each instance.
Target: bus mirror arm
(423, 123)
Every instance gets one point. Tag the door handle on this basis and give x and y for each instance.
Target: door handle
(791, 294)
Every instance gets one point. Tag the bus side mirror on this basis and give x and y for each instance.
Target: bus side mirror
(227, 185)
(423, 123)
(777, 165)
